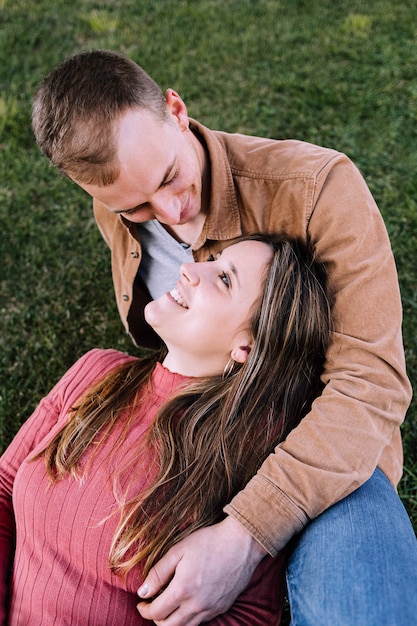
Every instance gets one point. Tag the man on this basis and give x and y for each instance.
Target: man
(165, 189)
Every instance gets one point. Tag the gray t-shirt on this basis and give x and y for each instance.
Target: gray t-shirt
(162, 257)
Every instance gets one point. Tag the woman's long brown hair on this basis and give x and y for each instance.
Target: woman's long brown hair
(213, 435)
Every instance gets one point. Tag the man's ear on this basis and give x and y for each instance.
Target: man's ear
(177, 108)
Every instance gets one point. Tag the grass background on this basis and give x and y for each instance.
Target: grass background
(341, 74)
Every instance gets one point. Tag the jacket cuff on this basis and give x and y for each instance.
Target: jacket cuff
(267, 513)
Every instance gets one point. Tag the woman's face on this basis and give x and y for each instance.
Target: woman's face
(203, 320)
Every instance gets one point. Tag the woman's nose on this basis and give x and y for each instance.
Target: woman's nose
(190, 272)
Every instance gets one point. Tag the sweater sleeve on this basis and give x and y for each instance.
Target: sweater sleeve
(7, 539)
(353, 427)
(42, 420)
(49, 416)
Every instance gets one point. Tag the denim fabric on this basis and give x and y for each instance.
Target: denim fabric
(356, 564)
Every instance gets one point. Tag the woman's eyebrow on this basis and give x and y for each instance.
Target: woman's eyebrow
(234, 271)
(232, 267)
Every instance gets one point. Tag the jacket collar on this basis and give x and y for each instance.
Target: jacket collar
(223, 221)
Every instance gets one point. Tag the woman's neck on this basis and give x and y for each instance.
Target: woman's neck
(191, 366)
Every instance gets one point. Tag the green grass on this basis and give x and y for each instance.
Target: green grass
(341, 74)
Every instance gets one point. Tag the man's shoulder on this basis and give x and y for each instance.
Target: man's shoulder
(249, 154)
(266, 158)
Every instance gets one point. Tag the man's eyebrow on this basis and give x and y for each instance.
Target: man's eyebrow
(162, 183)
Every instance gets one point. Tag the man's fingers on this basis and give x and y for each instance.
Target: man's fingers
(152, 612)
(161, 607)
(175, 605)
(160, 575)
(182, 615)
(201, 576)
(165, 609)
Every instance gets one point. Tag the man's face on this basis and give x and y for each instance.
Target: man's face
(161, 170)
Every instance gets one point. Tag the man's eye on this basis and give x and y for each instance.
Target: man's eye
(171, 180)
(131, 211)
(225, 278)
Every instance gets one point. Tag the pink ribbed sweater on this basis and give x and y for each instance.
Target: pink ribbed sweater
(63, 532)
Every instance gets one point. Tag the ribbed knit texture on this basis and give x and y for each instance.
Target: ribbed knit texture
(61, 574)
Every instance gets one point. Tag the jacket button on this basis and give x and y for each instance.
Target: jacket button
(125, 297)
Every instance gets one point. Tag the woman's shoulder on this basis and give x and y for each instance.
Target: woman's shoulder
(89, 368)
(104, 357)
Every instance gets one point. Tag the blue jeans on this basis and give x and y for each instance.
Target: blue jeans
(356, 564)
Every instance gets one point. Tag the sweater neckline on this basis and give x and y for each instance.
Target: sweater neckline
(164, 381)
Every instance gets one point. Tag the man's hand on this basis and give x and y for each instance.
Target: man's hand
(203, 575)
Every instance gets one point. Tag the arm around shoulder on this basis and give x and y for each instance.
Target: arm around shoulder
(354, 425)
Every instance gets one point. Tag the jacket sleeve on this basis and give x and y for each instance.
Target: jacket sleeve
(353, 426)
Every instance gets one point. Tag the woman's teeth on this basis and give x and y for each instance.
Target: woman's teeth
(174, 293)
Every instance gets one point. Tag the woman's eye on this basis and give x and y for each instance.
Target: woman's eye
(225, 278)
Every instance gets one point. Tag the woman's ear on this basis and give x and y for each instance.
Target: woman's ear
(177, 108)
(241, 353)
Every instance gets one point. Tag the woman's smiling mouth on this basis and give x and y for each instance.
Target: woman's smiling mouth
(175, 295)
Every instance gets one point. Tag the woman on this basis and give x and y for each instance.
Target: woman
(126, 456)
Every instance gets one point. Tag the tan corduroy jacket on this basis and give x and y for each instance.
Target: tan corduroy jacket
(261, 184)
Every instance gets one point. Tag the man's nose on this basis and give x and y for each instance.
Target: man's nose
(167, 210)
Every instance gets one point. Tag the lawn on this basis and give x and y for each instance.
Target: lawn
(340, 74)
